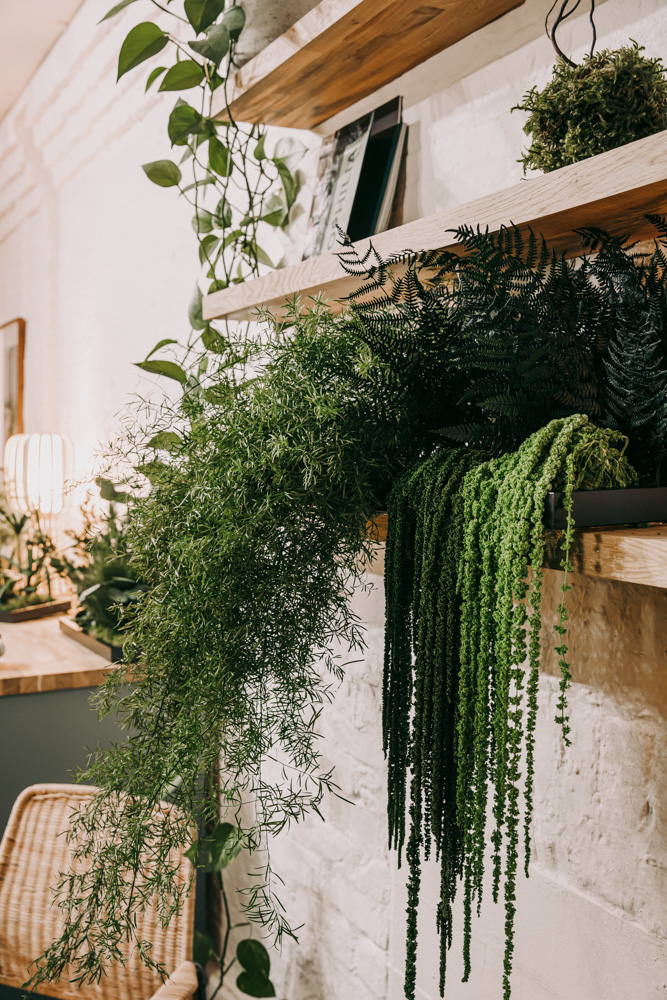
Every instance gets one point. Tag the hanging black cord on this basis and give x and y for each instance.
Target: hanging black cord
(561, 16)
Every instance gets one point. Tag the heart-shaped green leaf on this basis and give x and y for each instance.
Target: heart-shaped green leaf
(255, 986)
(183, 122)
(195, 310)
(219, 158)
(166, 441)
(144, 41)
(165, 173)
(214, 46)
(254, 957)
(183, 75)
(234, 19)
(202, 13)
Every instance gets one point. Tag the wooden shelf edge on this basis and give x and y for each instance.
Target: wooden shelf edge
(629, 555)
(613, 191)
(343, 50)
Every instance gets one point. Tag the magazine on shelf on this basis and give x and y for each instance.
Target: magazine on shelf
(357, 175)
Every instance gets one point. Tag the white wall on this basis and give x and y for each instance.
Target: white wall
(101, 264)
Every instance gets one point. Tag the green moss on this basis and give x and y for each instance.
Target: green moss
(612, 98)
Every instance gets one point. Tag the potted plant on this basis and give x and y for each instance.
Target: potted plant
(611, 98)
(26, 571)
(98, 567)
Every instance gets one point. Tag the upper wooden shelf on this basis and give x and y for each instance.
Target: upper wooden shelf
(614, 190)
(631, 555)
(343, 50)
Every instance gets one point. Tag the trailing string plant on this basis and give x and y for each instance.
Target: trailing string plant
(464, 578)
(499, 335)
(264, 475)
(237, 188)
(609, 99)
(98, 566)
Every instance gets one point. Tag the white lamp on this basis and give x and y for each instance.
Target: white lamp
(37, 468)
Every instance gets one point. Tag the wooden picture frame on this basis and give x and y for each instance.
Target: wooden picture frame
(12, 356)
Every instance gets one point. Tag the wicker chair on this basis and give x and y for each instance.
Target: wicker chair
(32, 854)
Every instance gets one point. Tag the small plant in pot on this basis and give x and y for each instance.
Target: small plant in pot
(26, 569)
(611, 98)
(98, 567)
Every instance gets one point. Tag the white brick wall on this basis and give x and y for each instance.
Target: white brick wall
(101, 264)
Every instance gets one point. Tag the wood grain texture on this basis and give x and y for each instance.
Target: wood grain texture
(39, 658)
(630, 555)
(614, 190)
(343, 50)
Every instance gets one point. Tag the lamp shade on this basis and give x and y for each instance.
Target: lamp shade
(37, 468)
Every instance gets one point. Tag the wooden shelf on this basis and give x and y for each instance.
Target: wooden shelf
(631, 555)
(614, 190)
(38, 658)
(343, 50)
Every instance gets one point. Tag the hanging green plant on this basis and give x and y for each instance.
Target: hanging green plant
(610, 99)
(464, 557)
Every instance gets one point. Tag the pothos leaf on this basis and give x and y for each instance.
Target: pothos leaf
(219, 158)
(183, 76)
(254, 985)
(166, 441)
(234, 19)
(165, 173)
(214, 46)
(202, 13)
(154, 74)
(116, 10)
(167, 368)
(184, 121)
(195, 310)
(253, 957)
(143, 41)
(160, 343)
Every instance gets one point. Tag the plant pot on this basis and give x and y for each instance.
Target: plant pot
(70, 628)
(36, 611)
(599, 508)
(266, 22)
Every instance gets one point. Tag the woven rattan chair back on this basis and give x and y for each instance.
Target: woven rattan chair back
(33, 853)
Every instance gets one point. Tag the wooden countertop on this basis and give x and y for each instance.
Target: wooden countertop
(38, 657)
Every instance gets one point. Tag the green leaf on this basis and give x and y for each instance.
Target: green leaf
(275, 211)
(165, 173)
(259, 153)
(288, 152)
(202, 221)
(253, 249)
(290, 186)
(166, 441)
(198, 184)
(183, 75)
(167, 368)
(153, 75)
(202, 946)
(219, 158)
(160, 343)
(183, 122)
(254, 985)
(234, 19)
(214, 342)
(223, 214)
(195, 310)
(216, 852)
(144, 41)
(207, 248)
(116, 10)
(110, 493)
(215, 45)
(152, 470)
(254, 957)
(202, 13)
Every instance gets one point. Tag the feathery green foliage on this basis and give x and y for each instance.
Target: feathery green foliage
(504, 335)
(612, 98)
(250, 542)
(462, 650)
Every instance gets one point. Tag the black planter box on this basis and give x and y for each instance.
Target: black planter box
(33, 611)
(598, 508)
(73, 630)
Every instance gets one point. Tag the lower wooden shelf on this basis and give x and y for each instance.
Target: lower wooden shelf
(632, 555)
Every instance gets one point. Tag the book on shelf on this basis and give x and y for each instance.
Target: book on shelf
(357, 175)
